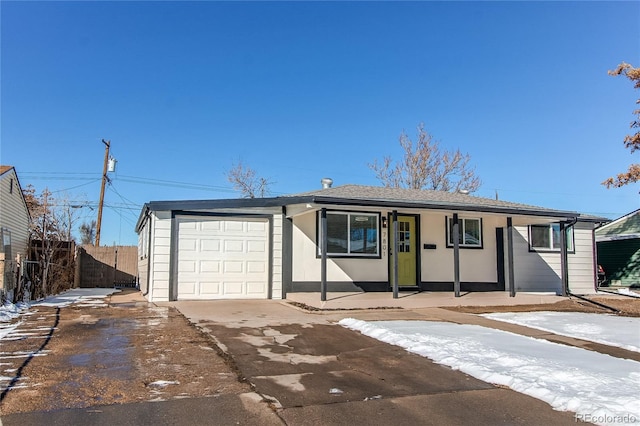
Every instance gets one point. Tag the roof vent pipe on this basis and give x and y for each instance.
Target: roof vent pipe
(326, 182)
(463, 191)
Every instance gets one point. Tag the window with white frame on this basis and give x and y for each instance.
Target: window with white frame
(351, 234)
(548, 237)
(469, 232)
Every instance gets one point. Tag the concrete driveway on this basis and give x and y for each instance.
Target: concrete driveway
(316, 372)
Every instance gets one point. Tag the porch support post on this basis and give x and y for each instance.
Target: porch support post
(323, 255)
(395, 254)
(564, 259)
(455, 233)
(512, 283)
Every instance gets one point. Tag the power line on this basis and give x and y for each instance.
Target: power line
(161, 182)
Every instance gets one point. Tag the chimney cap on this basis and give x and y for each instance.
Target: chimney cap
(326, 182)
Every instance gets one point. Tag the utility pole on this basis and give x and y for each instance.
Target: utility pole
(104, 182)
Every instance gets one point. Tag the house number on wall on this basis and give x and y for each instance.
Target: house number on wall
(384, 242)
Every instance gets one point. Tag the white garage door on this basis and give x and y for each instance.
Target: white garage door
(223, 258)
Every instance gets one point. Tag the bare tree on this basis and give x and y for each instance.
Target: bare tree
(425, 165)
(88, 232)
(51, 240)
(245, 180)
(632, 141)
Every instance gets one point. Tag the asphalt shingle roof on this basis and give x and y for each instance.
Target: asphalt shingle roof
(420, 197)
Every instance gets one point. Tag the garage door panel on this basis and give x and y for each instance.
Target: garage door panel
(210, 266)
(254, 287)
(256, 267)
(234, 226)
(233, 288)
(233, 267)
(185, 266)
(234, 246)
(187, 244)
(230, 257)
(187, 288)
(256, 246)
(210, 288)
(210, 245)
(188, 225)
(210, 225)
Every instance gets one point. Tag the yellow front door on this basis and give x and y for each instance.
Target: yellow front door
(405, 249)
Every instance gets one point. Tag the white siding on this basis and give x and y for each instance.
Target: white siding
(13, 213)
(582, 263)
(159, 257)
(539, 271)
(276, 266)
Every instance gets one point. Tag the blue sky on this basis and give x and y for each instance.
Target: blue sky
(303, 90)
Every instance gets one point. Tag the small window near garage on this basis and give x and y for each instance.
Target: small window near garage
(470, 232)
(548, 238)
(351, 234)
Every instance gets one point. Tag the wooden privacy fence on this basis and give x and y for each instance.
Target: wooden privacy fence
(115, 266)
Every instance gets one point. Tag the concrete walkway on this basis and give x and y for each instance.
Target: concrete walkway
(425, 299)
(315, 372)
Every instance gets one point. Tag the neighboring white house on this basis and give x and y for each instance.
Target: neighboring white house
(377, 239)
(14, 224)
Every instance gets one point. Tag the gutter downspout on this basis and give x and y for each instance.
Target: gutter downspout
(323, 255)
(602, 305)
(564, 256)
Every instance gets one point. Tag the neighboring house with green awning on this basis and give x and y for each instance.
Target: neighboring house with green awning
(618, 245)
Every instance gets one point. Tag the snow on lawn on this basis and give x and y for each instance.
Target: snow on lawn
(15, 330)
(593, 385)
(11, 311)
(612, 330)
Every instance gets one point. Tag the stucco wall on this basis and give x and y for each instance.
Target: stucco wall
(476, 265)
(306, 264)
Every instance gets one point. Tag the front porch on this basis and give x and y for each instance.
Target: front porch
(416, 300)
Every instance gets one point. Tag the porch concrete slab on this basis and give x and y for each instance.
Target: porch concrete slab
(413, 300)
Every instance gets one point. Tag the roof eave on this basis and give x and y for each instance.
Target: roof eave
(442, 206)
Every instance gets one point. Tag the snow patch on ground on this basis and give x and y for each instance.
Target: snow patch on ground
(628, 292)
(612, 330)
(86, 296)
(593, 385)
